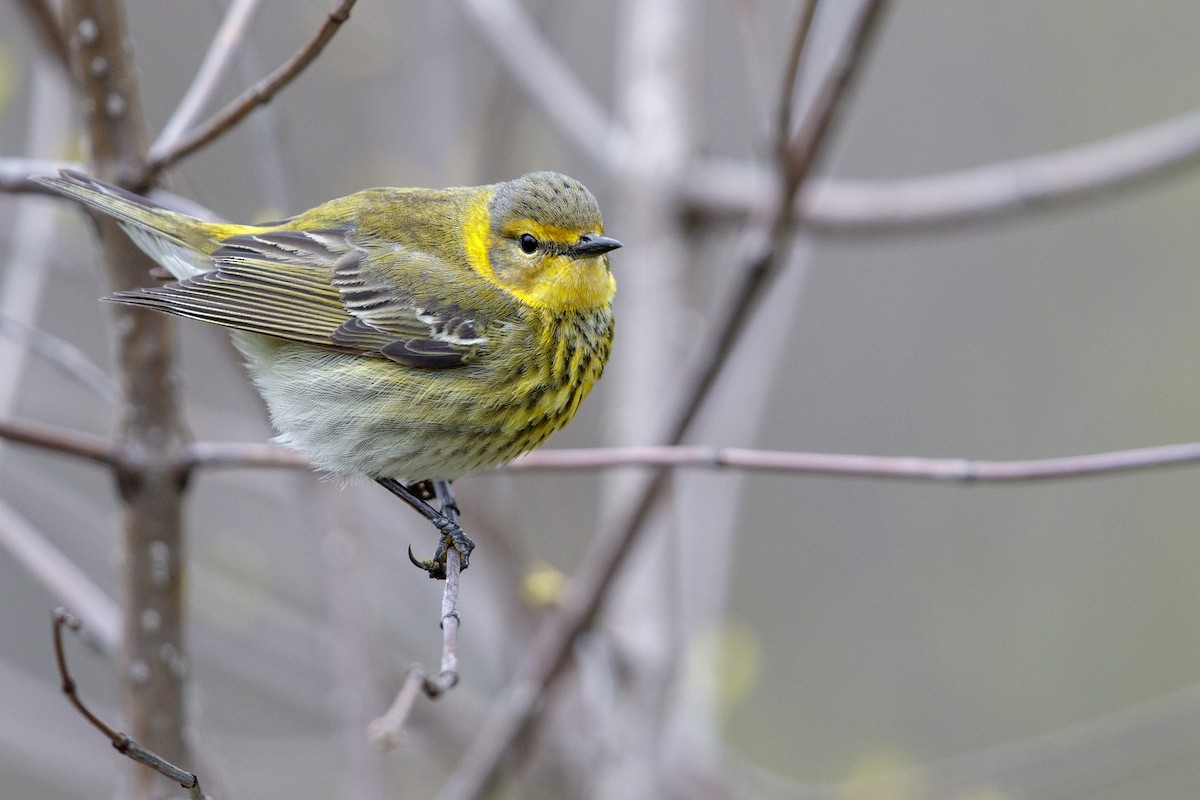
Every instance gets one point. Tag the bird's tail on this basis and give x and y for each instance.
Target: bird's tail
(179, 242)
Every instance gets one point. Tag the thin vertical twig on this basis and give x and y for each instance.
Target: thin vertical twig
(387, 731)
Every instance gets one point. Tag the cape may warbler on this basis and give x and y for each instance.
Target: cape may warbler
(409, 334)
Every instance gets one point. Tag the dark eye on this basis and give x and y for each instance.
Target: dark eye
(528, 242)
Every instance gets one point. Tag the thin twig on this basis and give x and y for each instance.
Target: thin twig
(387, 731)
(231, 454)
(121, 741)
(962, 470)
(787, 97)
(245, 455)
(59, 440)
(221, 51)
(257, 95)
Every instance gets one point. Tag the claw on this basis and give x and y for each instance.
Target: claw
(435, 568)
(452, 535)
(414, 560)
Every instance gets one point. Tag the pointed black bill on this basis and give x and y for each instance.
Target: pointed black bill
(592, 244)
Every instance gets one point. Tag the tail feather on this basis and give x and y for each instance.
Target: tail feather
(177, 241)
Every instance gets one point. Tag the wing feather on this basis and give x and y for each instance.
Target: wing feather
(317, 287)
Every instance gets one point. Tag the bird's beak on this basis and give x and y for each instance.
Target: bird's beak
(591, 244)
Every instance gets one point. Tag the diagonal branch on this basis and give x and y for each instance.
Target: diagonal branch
(221, 51)
(791, 79)
(161, 157)
(122, 742)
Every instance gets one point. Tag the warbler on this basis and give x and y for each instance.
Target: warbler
(412, 335)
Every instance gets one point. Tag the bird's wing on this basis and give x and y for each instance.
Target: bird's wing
(316, 287)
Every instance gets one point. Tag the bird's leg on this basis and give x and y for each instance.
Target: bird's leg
(444, 493)
(444, 521)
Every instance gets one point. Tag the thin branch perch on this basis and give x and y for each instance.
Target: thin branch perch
(387, 731)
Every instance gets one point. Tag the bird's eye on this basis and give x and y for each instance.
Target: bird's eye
(528, 243)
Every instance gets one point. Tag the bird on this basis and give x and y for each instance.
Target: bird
(411, 335)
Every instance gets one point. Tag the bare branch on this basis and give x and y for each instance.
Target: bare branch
(787, 97)
(964, 470)
(16, 172)
(221, 51)
(54, 570)
(387, 731)
(245, 454)
(546, 79)
(121, 741)
(257, 95)
(967, 470)
(842, 207)
(59, 440)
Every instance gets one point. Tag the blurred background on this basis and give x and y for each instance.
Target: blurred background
(780, 636)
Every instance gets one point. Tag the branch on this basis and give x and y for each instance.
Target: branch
(221, 51)
(149, 472)
(962, 470)
(121, 741)
(388, 730)
(59, 440)
(843, 207)
(966, 470)
(791, 79)
(261, 93)
(244, 454)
